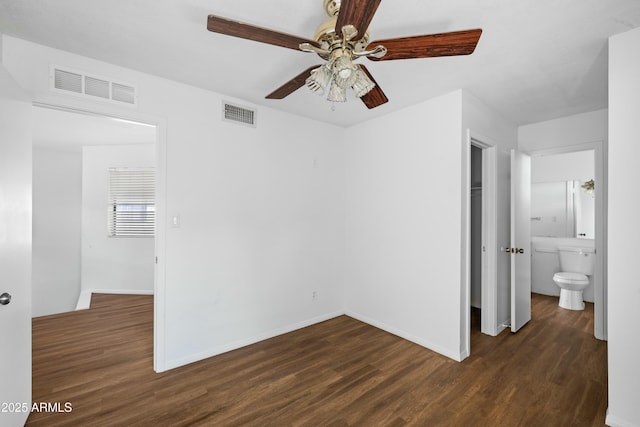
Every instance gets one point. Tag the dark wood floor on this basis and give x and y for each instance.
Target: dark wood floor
(337, 373)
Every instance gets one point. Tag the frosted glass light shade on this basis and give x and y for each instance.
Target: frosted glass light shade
(337, 93)
(344, 72)
(319, 79)
(363, 84)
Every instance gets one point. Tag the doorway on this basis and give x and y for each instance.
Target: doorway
(594, 154)
(476, 248)
(493, 172)
(70, 240)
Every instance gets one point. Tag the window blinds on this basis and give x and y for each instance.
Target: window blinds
(131, 210)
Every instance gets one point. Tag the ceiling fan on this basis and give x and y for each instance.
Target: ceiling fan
(341, 40)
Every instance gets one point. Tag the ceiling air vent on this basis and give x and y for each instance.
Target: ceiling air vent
(237, 114)
(78, 83)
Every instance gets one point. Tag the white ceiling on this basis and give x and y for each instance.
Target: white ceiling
(536, 59)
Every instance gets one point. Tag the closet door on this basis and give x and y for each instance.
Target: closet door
(520, 240)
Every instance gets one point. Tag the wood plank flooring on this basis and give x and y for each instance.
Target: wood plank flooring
(337, 373)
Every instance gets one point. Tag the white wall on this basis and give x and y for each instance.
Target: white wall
(403, 214)
(577, 165)
(572, 130)
(624, 230)
(109, 263)
(57, 206)
(261, 210)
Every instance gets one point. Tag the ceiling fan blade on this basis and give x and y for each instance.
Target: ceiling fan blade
(376, 96)
(358, 13)
(428, 46)
(292, 85)
(229, 27)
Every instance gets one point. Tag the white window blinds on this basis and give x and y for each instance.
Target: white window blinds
(131, 210)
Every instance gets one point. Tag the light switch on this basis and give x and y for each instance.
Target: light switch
(175, 221)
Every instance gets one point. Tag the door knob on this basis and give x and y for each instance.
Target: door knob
(5, 299)
(514, 250)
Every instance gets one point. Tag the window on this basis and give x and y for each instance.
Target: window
(131, 208)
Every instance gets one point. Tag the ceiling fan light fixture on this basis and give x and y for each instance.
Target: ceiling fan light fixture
(344, 71)
(337, 93)
(363, 84)
(342, 39)
(319, 79)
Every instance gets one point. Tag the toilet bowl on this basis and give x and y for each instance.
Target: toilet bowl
(576, 265)
(571, 287)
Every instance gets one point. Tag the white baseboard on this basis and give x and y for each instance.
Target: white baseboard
(501, 328)
(614, 421)
(457, 356)
(84, 300)
(175, 363)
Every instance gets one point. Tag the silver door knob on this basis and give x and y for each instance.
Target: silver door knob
(5, 299)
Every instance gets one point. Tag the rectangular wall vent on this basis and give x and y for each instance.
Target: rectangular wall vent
(82, 84)
(96, 87)
(66, 80)
(123, 93)
(237, 114)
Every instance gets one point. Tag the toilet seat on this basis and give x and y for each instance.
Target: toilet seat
(570, 278)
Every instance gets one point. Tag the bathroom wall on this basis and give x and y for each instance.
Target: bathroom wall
(563, 166)
(553, 204)
(544, 259)
(545, 262)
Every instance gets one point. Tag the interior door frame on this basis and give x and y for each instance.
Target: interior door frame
(159, 293)
(600, 278)
(489, 314)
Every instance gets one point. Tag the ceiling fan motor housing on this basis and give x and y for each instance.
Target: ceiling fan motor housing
(332, 7)
(326, 35)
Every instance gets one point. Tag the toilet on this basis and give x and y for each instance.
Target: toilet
(576, 265)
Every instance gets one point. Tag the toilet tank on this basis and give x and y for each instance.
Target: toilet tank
(577, 260)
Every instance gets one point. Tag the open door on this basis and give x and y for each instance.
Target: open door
(520, 240)
(15, 252)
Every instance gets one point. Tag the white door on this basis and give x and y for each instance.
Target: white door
(15, 252)
(520, 240)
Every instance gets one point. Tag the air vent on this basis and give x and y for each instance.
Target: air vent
(96, 87)
(79, 83)
(66, 80)
(237, 114)
(123, 93)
